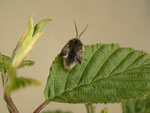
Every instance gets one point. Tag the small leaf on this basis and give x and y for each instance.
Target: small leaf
(40, 25)
(21, 82)
(109, 74)
(11, 75)
(4, 58)
(12, 82)
(105, 110)
(26, 63)
(136, 106)
(8, 59)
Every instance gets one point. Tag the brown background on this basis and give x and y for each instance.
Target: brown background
(126, 22)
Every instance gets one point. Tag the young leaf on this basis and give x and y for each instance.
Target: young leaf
(12, 82)
(109, 74)
(3, 58)
(26, 63)
(11, 75)
(136, 106)
(40, 25)
(8, 59)
(21, 82)
(27, 41)
(105, 110)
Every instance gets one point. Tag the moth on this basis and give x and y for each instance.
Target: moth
(72, 52)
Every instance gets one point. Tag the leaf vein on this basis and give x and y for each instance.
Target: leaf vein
(88, 63)
(105, 62)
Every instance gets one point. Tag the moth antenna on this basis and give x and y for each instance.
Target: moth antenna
(83, 30)
(76, 29)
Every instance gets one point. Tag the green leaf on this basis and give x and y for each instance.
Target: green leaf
(11, 75)
(40, 25)
(8, 59)
(105, 110)
(109, 74)
(136, 106)
(3, 58)
(57, 111)
(27, 41)
(26, 63)
(12, 82)
(21, 82)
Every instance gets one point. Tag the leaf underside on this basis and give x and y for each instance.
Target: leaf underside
(136, 106)
(109, 74)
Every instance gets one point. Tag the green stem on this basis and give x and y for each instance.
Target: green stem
(3, 78)
(87, 108)
(90, 108)
(93, 106)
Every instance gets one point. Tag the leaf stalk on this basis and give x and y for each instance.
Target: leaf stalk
(41, 106)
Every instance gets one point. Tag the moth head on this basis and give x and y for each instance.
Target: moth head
(75, 43)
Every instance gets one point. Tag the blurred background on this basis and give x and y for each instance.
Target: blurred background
(126, 22)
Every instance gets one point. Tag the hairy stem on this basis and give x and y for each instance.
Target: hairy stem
(41, 106)
(10, 104)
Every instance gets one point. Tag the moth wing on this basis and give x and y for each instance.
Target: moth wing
(79, 56)
(64, 52)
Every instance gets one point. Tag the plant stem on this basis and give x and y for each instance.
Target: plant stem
(41, 106)
(3, 78)
(87, 108)
(93, 106)
(90, 108)
(10, 104)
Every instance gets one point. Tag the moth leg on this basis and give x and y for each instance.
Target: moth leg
(78, 59)
(79, 56)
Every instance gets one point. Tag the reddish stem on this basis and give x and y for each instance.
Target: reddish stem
(41, 106)
(10, 104)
